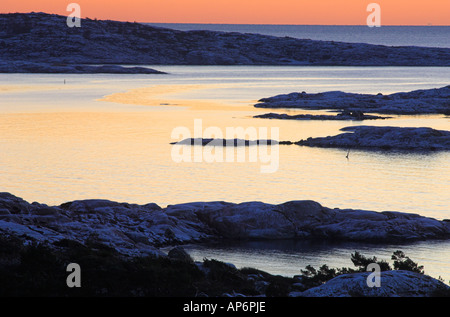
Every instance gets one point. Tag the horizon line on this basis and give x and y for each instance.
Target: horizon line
(215, 23)
(212, 23)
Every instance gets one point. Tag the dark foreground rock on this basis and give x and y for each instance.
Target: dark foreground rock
(40, 270)
(393, 284)
(142, 229)
(46, 38)
(425, 101)
(117, 246)
(344, 116)
(384, 138)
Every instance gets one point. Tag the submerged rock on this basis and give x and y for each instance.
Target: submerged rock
(385, 138)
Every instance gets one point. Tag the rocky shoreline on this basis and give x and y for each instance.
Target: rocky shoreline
(143, 229)
(56, 68)
(45, 38)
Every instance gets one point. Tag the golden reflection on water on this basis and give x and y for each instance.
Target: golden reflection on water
(169, 95)
(125, 154)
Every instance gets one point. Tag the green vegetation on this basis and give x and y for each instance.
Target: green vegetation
(402, 262)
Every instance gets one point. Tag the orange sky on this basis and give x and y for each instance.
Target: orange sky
(335, 12)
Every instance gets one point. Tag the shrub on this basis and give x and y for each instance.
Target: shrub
(402, 262)
(362, 262)
(310, 277)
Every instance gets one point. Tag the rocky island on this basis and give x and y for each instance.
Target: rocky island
(343, 116)
(353, 107)
(384, 138)
(424, 101)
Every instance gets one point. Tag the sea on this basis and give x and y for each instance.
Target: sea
(428, 36)
(72, 136)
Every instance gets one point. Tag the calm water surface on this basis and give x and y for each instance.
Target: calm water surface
(107, 136)
(287, 258)
(430, 36)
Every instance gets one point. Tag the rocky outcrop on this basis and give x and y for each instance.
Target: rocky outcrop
(426, 101)
(128, 228)
(142, 229)
(392, 284)
(45, 38)
(384, 138)
(308, 219)
(344, 116)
